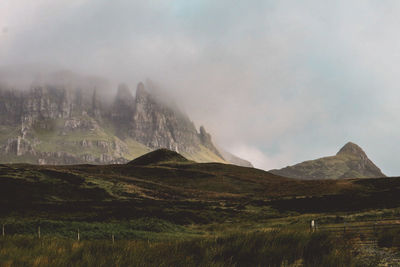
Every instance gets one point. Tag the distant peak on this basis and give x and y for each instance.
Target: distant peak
(159, 156)
(352, 149)
(140, 88)
(141, 92)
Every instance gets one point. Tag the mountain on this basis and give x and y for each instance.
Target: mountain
(69, 119)
(350, 162)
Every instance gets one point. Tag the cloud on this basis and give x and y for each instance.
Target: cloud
(278, 81)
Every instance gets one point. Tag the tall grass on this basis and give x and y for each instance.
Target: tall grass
(142, 228)
(279, 248)
(389, 238)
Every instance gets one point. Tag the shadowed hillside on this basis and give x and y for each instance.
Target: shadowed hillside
(157, 157)
(165, 185)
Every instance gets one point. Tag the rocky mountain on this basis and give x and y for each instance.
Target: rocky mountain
(350, 162)
(66, 122)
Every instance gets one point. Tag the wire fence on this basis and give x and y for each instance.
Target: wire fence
(366, 231)
(9, 230)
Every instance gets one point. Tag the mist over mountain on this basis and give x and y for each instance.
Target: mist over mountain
(65, 118)
(288, 80)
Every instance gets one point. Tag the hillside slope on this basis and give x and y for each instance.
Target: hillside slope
(350, 162)
(163, 184)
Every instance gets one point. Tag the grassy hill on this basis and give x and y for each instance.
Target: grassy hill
(165, 185)
(157, 157)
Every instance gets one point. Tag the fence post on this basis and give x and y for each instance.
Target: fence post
(79, 237)
(39, 232)
(4, 232)
(113, 239)
(312, 226)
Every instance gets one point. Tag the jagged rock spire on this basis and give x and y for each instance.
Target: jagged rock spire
(96, 107)
(207, 142)
(141, 93)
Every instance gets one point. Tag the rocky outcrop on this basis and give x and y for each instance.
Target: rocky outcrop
(159, 126)
(122, 110)
(352, 149)
(18, 146)
(47, 102)
(61, 158)
(350, 162)
(361, 163)
(205, 139)
(11, 103)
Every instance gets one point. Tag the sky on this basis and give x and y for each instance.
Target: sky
(275, 82)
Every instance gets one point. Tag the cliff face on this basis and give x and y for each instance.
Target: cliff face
(157, 125)
(58, 124)
(55, 125)
(350, 162)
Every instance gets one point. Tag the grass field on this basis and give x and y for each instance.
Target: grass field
(166, 212)
(275, 248)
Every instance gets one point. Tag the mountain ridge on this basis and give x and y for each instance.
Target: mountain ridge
(349, 162)
(65, 123)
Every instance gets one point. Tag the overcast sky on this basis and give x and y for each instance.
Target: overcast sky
(276, 82)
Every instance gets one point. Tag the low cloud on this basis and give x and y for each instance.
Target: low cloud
(279, 82)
